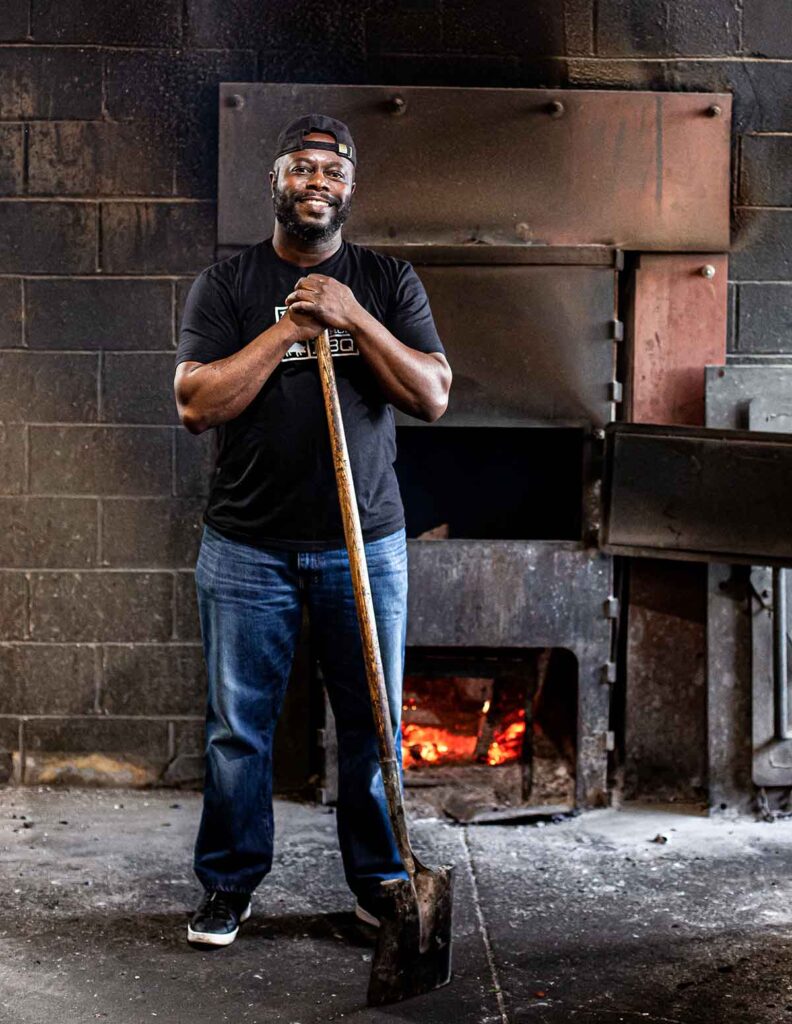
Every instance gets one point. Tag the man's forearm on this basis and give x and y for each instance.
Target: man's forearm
(216, 392)
(415, 382)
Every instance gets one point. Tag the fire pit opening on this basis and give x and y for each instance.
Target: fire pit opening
(489, 730)
(512, 483)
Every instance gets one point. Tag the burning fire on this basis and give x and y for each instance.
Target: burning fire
(433, 745)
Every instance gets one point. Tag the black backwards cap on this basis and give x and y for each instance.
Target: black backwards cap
(292, 136)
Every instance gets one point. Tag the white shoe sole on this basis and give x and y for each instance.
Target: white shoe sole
(364, 915)
(212, 938)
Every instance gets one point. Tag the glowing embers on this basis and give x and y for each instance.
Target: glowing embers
(461, 720)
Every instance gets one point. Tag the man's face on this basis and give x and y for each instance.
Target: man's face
(312, 191)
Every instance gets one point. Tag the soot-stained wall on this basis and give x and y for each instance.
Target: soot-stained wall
(108, 162)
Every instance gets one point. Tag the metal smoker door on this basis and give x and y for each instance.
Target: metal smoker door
(697, 494)
(770, 633)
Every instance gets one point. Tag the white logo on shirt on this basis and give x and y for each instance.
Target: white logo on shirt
(341, 343)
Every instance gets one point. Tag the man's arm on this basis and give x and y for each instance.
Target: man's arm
(208, 394)
(415, 382)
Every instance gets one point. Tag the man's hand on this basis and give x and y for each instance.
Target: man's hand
(307, 327)
(325, 300)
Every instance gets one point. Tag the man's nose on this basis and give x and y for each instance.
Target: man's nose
(317, 179)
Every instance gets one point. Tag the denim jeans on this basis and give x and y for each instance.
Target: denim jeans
(250, 606)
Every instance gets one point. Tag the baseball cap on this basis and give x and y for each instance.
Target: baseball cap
(292, 136)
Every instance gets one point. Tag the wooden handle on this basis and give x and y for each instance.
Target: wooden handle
(365, 607)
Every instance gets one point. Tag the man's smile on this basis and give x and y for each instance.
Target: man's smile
(316, 202)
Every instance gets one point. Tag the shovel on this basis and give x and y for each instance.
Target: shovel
(413, 952)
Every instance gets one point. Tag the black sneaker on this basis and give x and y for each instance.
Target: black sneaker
(218, 917)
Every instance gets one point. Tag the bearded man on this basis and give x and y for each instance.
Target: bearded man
(273, 538)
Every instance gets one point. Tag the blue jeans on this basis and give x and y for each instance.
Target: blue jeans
(250, 605)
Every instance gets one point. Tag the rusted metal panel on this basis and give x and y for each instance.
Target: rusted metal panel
(640, 170)
(530, 345)
(506, 255)
(490, 594)
(679, 327)
(698, 494)
(468, 593)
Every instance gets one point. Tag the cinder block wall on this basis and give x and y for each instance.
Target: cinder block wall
(108, 152)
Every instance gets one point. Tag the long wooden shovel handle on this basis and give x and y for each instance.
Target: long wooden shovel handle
(363, 602)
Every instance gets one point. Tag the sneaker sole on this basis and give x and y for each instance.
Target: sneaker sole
(364, 915)
(212, 938)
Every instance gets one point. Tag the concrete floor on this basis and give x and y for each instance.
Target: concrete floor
(586, 921)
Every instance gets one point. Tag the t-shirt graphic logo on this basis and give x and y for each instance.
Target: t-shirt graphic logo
(341, 343)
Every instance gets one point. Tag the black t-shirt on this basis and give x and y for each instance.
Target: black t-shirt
(273, 484)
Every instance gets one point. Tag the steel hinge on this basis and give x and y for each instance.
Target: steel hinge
(609, 672)
(610, 740)
(617, 330)
(615, 391)
(611, 607)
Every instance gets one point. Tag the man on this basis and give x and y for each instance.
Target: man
(273, 536)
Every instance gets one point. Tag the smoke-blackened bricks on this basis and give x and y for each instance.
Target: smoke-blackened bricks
(761, 89)
(13, 460)
(765, 318)
(196, 456)
(187, 625)
(98, 314)
(189, 737)
(171, 85)
(150, 532)
(330, 39)
(104, 735)
(137, 387)
(48, 386)
(628, 28)
(9, 733)
(154, 679)
(244, 23)
(762, 245)
(48, 532)
(578, 27)
(731, 316)
(14, 23)
(768, 28)
(404, 28)
(40, 82)
(13, 605)
(445, 69)
(129, 22)
(766, 170)
(112, 606)
(47, 679)
(100, 158)
(615, 74)
(509, 28)
(11, 159)
(43, 237)
(10, 312)
(180, 91)
(100, 460)
(156, 238)
(182, 291)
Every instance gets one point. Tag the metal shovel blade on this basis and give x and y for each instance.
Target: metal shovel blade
(413, 954)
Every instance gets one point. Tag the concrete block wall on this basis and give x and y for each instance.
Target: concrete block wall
(108, 153)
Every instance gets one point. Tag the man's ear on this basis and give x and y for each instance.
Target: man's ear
(354, 186)
(273, 179)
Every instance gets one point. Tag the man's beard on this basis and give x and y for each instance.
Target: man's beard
(285, 206)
